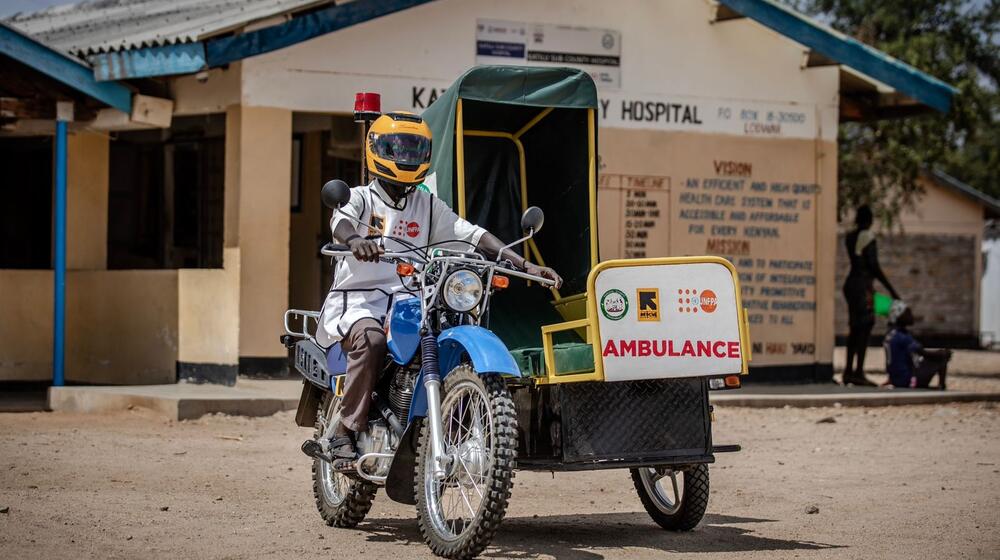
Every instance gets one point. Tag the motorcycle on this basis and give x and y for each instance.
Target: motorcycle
(443, 420)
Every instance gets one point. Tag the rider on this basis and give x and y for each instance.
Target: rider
(398, 155)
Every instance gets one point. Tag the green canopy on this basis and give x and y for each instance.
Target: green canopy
(529, 139)
(525, 86)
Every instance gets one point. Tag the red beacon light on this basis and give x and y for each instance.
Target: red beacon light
(367, 107)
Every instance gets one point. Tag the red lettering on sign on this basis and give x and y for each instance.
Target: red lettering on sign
(660, 348)
(627, 347)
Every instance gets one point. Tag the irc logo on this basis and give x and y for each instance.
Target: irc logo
(649, 304)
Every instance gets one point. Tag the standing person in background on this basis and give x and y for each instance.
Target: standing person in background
(859, 291)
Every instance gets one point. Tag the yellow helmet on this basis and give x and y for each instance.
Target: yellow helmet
(398, 149)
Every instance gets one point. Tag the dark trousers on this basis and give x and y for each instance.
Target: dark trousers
(365, 348)
(859, 294)
(935, 362)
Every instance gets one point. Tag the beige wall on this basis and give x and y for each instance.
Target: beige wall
(258, 160)
(25, 325)
(87, 201)
(213, 93)
(942, 210)
(121, 326)
(209, 312)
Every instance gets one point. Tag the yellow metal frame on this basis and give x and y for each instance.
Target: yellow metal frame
(593, 328)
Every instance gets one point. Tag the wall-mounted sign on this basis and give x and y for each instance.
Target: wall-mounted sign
(716, 116)
(596, 51)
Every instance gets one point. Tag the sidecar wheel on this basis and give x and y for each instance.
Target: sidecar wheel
(342, 501)
(459, 515)
(676, 500)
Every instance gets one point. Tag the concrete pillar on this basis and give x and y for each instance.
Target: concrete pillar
(208, 306)
(258, 179)
(87, 201)
(827, 289)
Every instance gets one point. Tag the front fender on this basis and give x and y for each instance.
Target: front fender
(486, 352)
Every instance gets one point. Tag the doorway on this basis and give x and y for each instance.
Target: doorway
(324, 147)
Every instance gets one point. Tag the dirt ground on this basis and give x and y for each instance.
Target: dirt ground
(902, 482)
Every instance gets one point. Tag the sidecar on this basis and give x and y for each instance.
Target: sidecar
(616, 367)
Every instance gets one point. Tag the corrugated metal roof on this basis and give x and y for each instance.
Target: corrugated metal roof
(95, 26)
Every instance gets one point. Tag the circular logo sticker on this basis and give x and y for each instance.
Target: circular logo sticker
(614, 304)
(708, 301)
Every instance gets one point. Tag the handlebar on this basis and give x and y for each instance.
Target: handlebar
(543, 281)
(339, 250)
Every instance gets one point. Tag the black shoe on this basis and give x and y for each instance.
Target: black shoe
(342, 447)
(859, 380)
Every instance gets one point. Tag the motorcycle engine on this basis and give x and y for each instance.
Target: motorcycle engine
(377, 439)
(401, 392)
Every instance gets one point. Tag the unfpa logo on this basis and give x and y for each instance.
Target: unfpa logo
(691, 301)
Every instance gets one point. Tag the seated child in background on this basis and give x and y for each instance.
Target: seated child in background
(908, 363)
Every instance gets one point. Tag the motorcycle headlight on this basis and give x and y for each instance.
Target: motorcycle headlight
(462, 290)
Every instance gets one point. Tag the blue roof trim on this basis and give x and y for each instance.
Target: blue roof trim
(301, 28)
(850, 52)
(62, 68)
(152, 61)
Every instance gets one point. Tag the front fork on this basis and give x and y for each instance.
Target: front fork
(432, 385)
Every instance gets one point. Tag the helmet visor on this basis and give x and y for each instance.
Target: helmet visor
(407, 149)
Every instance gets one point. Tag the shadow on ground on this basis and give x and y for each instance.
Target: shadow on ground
(588, 536)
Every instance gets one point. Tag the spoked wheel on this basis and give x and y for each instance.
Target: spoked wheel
(342, 501)
(676, 500)
(459, 514)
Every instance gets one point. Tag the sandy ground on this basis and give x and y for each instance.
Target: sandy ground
(902, 482)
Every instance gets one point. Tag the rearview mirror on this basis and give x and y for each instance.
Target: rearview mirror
(335, 194)
(532, 219)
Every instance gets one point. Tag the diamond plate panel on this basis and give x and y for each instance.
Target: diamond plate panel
(634, 419)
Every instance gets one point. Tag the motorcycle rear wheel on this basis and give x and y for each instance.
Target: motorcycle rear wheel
(342, 501)
(459, 515)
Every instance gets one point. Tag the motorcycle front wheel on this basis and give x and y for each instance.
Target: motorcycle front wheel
(459, 514)
(342, 501)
